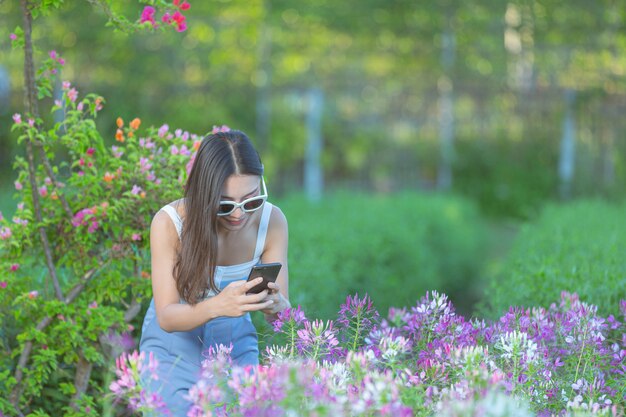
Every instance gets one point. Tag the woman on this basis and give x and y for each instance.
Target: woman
(203, 248)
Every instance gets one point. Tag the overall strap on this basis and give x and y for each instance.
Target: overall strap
(265, 220)
(178, 223)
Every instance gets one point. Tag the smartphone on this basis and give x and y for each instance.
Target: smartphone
(269, 272)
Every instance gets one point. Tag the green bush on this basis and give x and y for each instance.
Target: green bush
(393, 247)
(578, 247)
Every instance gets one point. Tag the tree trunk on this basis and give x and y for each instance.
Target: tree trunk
(446, 109)
(567, 156)
(263, 83)
(313, 176)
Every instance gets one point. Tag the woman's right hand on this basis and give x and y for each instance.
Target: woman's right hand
(234, 302)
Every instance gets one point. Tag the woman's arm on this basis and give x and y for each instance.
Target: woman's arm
(276, 248)
(171, 314)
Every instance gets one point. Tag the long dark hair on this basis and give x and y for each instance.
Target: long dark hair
(220, 155)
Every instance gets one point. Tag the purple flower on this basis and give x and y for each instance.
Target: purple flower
(294, 315)
(317, 340)
(163, 130)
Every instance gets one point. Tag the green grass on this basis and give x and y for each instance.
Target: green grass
(578, 247)
(394, 247)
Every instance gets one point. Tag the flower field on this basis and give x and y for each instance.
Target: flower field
(424, 360)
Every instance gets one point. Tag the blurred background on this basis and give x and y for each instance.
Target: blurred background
(408, 142)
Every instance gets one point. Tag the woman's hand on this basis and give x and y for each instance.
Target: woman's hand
(279, 302)
(233, 301)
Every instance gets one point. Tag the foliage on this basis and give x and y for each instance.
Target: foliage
(243, 56)
(577, 246)
(421, 361)
(392, 246)
(501, 175)
(97, 210)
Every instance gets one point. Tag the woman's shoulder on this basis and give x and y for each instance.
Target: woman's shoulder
(278, 220)
(163, 218)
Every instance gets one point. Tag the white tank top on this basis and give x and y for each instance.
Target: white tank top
(224, 275)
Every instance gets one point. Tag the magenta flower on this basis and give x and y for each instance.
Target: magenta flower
(53, 54)
(17, 118)
(18, 185)
(147, 15)
(136, 236)
(90, 151)
(3, 284)
(15, 267)
(93, 226)
(13, 36)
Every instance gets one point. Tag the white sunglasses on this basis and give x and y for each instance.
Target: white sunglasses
(247, 206)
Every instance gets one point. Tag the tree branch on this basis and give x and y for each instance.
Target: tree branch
(30, 102)
(28, 346)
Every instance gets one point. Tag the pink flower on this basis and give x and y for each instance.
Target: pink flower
(90, 151)
(31, 122)
(185, 6)
(80, 106)
(72, 94)
(222, 128)
(136, 236)
(3, 284)
(93, 226)
(17, 118)
(136, 189)
(20, 206)
(147, 15)
(53, 54)
(15, 267)
(47, 181)
(58, 103)
(174, 150)
(18, 185)
(66, 85)
(43, 191)
(13, 36)
(61, 61)
(5, 233)
(167, 18)
(33, 294)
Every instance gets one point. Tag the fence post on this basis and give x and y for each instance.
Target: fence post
(313, 176)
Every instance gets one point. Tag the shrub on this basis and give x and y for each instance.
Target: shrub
(393, 247)
(574, 247)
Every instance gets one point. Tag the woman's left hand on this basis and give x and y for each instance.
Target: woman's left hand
(280, 302)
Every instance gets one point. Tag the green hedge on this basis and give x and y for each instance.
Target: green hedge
(579, 247)
(393, 247)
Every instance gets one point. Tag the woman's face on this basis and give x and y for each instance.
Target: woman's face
(238, 188)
